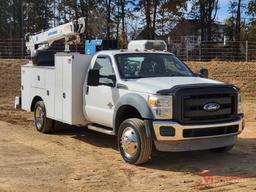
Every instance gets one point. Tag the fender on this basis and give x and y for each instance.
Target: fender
(140, 104)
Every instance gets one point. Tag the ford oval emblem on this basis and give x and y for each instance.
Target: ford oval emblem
(211, 107)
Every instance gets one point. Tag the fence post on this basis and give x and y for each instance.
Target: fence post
(246, 50)
(187, 49)
(200, 52)
(22, 48)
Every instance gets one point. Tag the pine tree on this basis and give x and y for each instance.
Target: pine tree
(38, 15)
(4, 19)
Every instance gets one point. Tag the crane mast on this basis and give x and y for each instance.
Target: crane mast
(70, 32)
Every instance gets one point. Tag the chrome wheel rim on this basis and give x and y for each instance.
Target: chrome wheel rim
(39, 117)
(129, 142)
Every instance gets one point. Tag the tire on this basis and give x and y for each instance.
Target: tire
(43, 58)
(134, 146)
(222, 149)
(42, 123)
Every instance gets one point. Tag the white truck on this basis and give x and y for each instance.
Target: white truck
(144, 95)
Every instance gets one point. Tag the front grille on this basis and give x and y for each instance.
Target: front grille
(189, 101)
(193, 107)
(204, 132)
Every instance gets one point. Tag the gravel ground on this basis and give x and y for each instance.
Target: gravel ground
(76, 159)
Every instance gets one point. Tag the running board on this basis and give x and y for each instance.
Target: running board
(101, 129)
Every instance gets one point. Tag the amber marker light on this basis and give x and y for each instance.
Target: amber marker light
(152, 101)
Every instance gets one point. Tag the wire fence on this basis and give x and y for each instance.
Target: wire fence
(185, 48)
(194, 50)
(12, 48)
(16, 48)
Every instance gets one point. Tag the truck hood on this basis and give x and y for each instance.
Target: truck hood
(152, 85)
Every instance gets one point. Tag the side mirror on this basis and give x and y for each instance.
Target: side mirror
(204, 73)
(113, 78)
(93, 77)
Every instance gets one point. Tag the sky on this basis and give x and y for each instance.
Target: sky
(222, 14)
(223, 9)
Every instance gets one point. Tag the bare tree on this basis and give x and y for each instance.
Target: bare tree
(205, 11)
(238, 21)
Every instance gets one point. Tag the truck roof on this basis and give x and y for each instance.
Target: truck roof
(125, 51)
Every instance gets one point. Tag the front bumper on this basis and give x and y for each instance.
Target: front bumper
(180, 142)
(179, 129)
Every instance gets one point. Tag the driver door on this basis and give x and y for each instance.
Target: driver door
(99, 104)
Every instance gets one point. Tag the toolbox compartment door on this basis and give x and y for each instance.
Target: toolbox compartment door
(25, 88)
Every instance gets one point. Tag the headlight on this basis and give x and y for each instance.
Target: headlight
(239, 104)
(161, 106)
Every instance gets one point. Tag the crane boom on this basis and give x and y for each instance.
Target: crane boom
(70, 32)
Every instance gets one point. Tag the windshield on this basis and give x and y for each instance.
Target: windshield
(143, 65)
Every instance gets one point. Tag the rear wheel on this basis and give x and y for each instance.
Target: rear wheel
(42, 123)
(134, 146)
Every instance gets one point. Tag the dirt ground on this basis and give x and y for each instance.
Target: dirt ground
(76, 159)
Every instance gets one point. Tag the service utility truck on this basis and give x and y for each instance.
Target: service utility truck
(144, 95)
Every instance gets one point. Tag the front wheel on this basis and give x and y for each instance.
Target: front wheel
(133, 143)
(42, 123)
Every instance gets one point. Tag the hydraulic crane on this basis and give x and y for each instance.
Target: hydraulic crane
(42, 41)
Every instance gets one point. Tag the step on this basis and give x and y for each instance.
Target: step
(101, 129)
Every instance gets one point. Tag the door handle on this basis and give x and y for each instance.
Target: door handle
(64, 95)
(87, 90)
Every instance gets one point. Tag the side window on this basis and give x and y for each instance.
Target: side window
(172, 66)
(106, 69)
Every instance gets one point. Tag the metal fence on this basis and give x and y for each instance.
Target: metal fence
(187, 49)
(12, 48)
(16, 49)
(184, 48)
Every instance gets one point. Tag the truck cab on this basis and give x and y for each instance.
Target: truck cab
(145, 96)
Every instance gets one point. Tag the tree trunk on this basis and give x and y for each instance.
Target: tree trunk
(154, 18)
(207, 8)
(202, 19)
(123, 15)
(20, 13)
(238, 20)
(147, 5)
(75, 8)
(118, 20)
(209, 20)
(84, 10)
(108, 3)
(14, 9)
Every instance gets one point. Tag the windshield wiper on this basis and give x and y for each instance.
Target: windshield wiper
(156, 76)
(138, 77)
